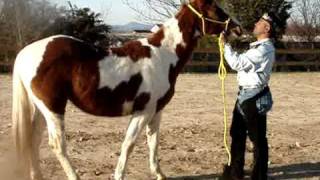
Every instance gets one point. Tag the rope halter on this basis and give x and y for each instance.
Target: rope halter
(204, 19)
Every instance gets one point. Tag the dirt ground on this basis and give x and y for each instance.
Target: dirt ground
(191, 140)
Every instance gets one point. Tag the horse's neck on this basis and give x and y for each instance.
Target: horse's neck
(178, 39)
(172, 34)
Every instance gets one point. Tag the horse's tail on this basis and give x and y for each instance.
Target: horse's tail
(21, 119)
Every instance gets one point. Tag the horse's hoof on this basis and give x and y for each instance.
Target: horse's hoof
(161, 177)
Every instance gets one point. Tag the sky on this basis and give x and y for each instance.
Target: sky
(114, 12)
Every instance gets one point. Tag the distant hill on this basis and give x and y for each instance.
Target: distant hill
(130, 27)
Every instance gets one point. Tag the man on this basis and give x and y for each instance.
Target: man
(253, 102)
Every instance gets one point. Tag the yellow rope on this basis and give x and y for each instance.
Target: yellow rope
(200, 16)
(203, 19)
(222, 73)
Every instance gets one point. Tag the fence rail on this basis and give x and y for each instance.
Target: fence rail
(282, 64)
(278, 51)
(5, 67)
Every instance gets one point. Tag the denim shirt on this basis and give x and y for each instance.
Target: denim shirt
(254, 66)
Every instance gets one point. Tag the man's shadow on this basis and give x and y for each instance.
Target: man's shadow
(293, 171)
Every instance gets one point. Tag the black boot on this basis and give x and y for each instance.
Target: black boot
(230, 173)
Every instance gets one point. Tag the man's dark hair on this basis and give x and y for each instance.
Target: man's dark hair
(276, 25)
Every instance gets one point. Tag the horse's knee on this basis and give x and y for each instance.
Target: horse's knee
(150, 131)
(128, 148)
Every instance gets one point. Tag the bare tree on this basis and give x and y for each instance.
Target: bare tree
(23, 17)
(1, 6)
(305, 19)
(20, 23)
(154, 11)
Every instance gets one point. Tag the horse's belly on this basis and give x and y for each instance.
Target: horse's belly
(107, 103)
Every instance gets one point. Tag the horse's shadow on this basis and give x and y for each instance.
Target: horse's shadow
(293, 171)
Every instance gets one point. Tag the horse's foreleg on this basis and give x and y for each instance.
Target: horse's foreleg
(137, 123)
(153, 142)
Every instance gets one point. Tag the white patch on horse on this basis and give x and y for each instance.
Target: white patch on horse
(162, 58)
(173, 34)
(115, 70)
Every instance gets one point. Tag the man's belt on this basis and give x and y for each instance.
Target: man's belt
(253, 87)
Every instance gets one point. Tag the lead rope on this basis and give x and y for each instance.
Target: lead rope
(200, 16)
(203, 19)
(222, 73)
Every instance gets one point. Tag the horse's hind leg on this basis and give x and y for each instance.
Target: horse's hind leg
(153, 141)
(136, 125)
(57, 140)
(38, 126)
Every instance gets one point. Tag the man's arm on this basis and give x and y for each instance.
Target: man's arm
(244, 61)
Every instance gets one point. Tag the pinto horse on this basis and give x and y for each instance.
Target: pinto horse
(136, 79)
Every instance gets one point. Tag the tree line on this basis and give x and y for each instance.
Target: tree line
(298, 18)
(25, 21)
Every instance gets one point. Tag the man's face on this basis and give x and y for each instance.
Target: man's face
(261, 27)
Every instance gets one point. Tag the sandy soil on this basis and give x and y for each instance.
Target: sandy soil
(191, 143)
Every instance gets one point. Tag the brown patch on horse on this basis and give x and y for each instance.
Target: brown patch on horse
(141, 101)
(52, 83)
(156, 38)
(134, 49)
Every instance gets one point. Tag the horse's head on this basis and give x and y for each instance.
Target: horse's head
(212, 19)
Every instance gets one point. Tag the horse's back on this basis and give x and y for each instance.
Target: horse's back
(30, 57)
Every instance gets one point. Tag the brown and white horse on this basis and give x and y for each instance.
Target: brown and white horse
(137, 79)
